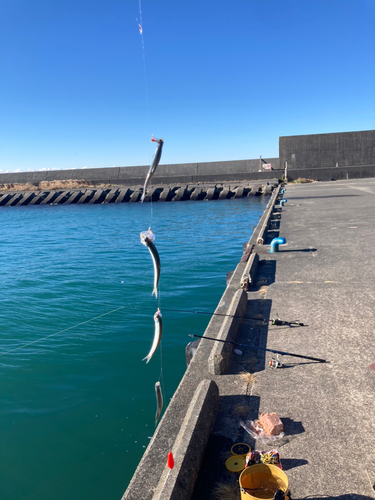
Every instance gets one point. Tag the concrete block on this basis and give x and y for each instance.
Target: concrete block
(86, 196)
(173, 192)
(231, 193)
(211, 193)
(190, 188)
(256, 190)
(38, 198)
(111, 196)
(124, 195)
(261, 228)
(14, 199)
(98, 197)
(247, 279)
(189, 447)
(26, 198)
(267, 189)
(221, 355)
(62, 197)
(51, 196)
(180, 194)
(136, 196)
(153, 193)
(3, 197)
(73, 197)
(197, 194)
(245, 272)
(239, 191)
(165, 194)
(224, 193)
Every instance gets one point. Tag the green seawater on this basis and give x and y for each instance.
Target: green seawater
(77, 402)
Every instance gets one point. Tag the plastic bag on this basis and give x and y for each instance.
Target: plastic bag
(257, 432)
(147, 234)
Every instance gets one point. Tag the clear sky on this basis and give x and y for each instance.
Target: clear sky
(218, 80)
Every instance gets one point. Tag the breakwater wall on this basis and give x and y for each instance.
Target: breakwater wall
(342, 149)
(179, 192)
(187, 173)
(332, 173)
(186, 424)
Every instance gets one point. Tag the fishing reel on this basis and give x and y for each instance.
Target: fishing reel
(279, 322)
(275, 362)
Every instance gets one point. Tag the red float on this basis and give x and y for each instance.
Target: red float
(170, 460)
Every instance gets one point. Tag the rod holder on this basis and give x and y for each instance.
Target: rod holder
(275, 244)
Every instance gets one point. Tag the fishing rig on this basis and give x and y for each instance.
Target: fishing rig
(257, 348)
(277, 321)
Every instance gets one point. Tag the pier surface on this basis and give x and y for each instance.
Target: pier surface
(324, 277)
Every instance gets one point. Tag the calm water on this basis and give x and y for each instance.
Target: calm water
(78, 407)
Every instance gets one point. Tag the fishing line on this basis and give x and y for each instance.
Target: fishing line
(140, 26)
(273, 321)
(161, 378)
(61, 331)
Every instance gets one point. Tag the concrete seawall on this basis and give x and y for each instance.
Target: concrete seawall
(187, 422)
(132, 194)
(186, 173)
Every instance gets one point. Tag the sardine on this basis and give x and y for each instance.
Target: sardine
(157, 335)
(154, 164)
(147, 240)
(159, 401)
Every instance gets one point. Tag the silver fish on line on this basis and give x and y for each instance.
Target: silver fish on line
(159, 401)
(157, 335)
(147, 238)
(154, 164)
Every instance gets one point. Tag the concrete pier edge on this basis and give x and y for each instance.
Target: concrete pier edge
(181, 429)
(190, 444)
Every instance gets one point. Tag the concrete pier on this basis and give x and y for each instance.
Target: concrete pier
(323, 277)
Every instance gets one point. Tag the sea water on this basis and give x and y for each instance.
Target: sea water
(76, 319)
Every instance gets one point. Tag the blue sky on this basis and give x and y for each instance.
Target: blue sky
(218, 80)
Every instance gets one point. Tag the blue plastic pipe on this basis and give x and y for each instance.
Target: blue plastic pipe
(282, 202)
(275, 244)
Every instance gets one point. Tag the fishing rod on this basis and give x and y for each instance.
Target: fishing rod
(261, 348)
(276, 321)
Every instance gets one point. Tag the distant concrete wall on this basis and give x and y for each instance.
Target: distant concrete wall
(327, 150)
(334, 173)
(165, 174)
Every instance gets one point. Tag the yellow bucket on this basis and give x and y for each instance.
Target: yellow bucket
(260, 481)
